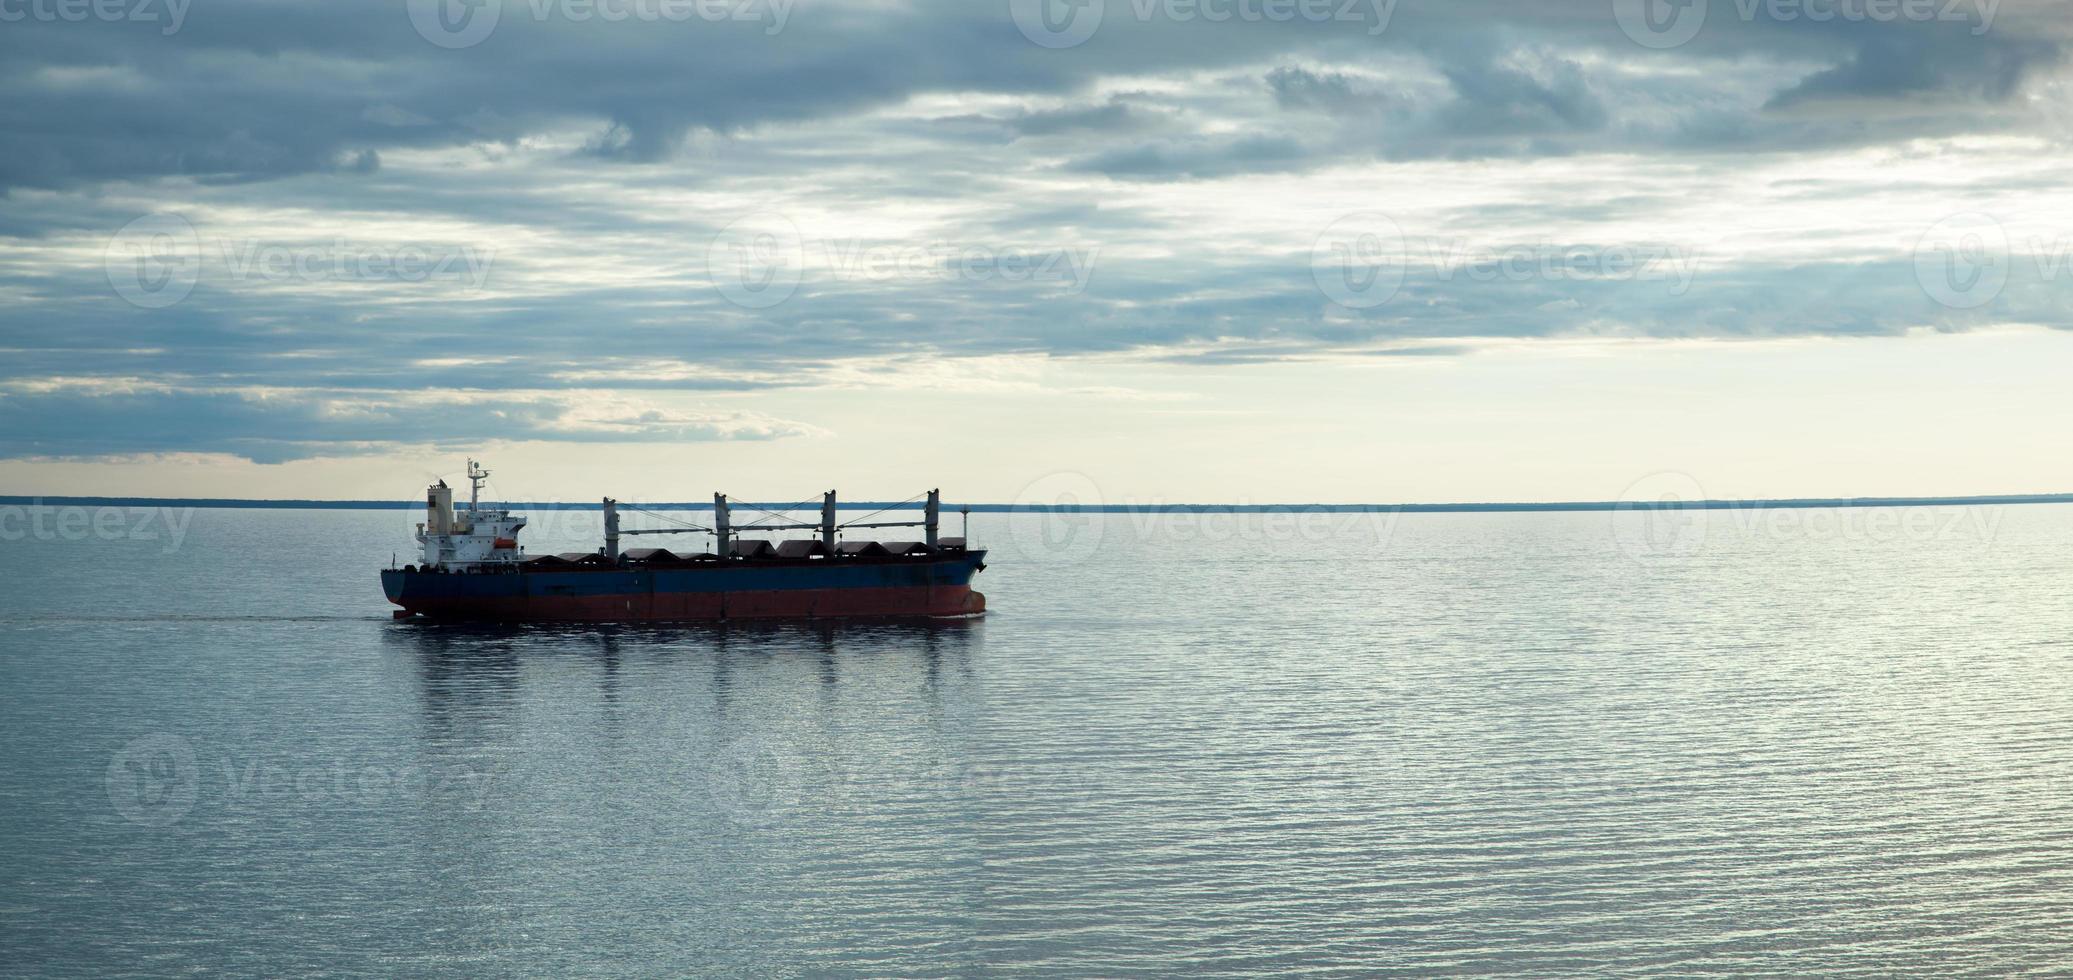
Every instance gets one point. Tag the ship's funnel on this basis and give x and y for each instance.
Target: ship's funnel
(439, 509)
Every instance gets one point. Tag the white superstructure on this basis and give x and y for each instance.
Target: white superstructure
(471, 538)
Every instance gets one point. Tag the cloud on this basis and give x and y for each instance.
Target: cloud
(1193, 166)
(250, 89)
(70, 419)
(1895, 66)
(1112, 115)
(1197, 158)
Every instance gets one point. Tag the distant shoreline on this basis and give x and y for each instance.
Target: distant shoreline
(948, 507)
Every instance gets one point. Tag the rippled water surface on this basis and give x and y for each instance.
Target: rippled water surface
(1535, 744)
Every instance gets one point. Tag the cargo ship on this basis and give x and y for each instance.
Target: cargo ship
(472, 568)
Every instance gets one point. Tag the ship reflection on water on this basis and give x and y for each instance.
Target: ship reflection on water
(464, 648)
(482, 679)
(685, 777)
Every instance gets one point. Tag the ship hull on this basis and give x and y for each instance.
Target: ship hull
(931, 586)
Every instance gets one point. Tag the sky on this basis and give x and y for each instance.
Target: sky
(1103, 250)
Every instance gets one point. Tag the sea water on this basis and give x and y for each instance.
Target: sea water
(1830, 741)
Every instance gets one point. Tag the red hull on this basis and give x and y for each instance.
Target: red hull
(700, 606)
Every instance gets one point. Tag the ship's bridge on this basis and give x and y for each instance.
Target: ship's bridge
(469, 538)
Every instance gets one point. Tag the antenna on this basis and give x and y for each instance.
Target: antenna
(476, 474)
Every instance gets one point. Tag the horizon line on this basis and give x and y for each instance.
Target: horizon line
(233, 503)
